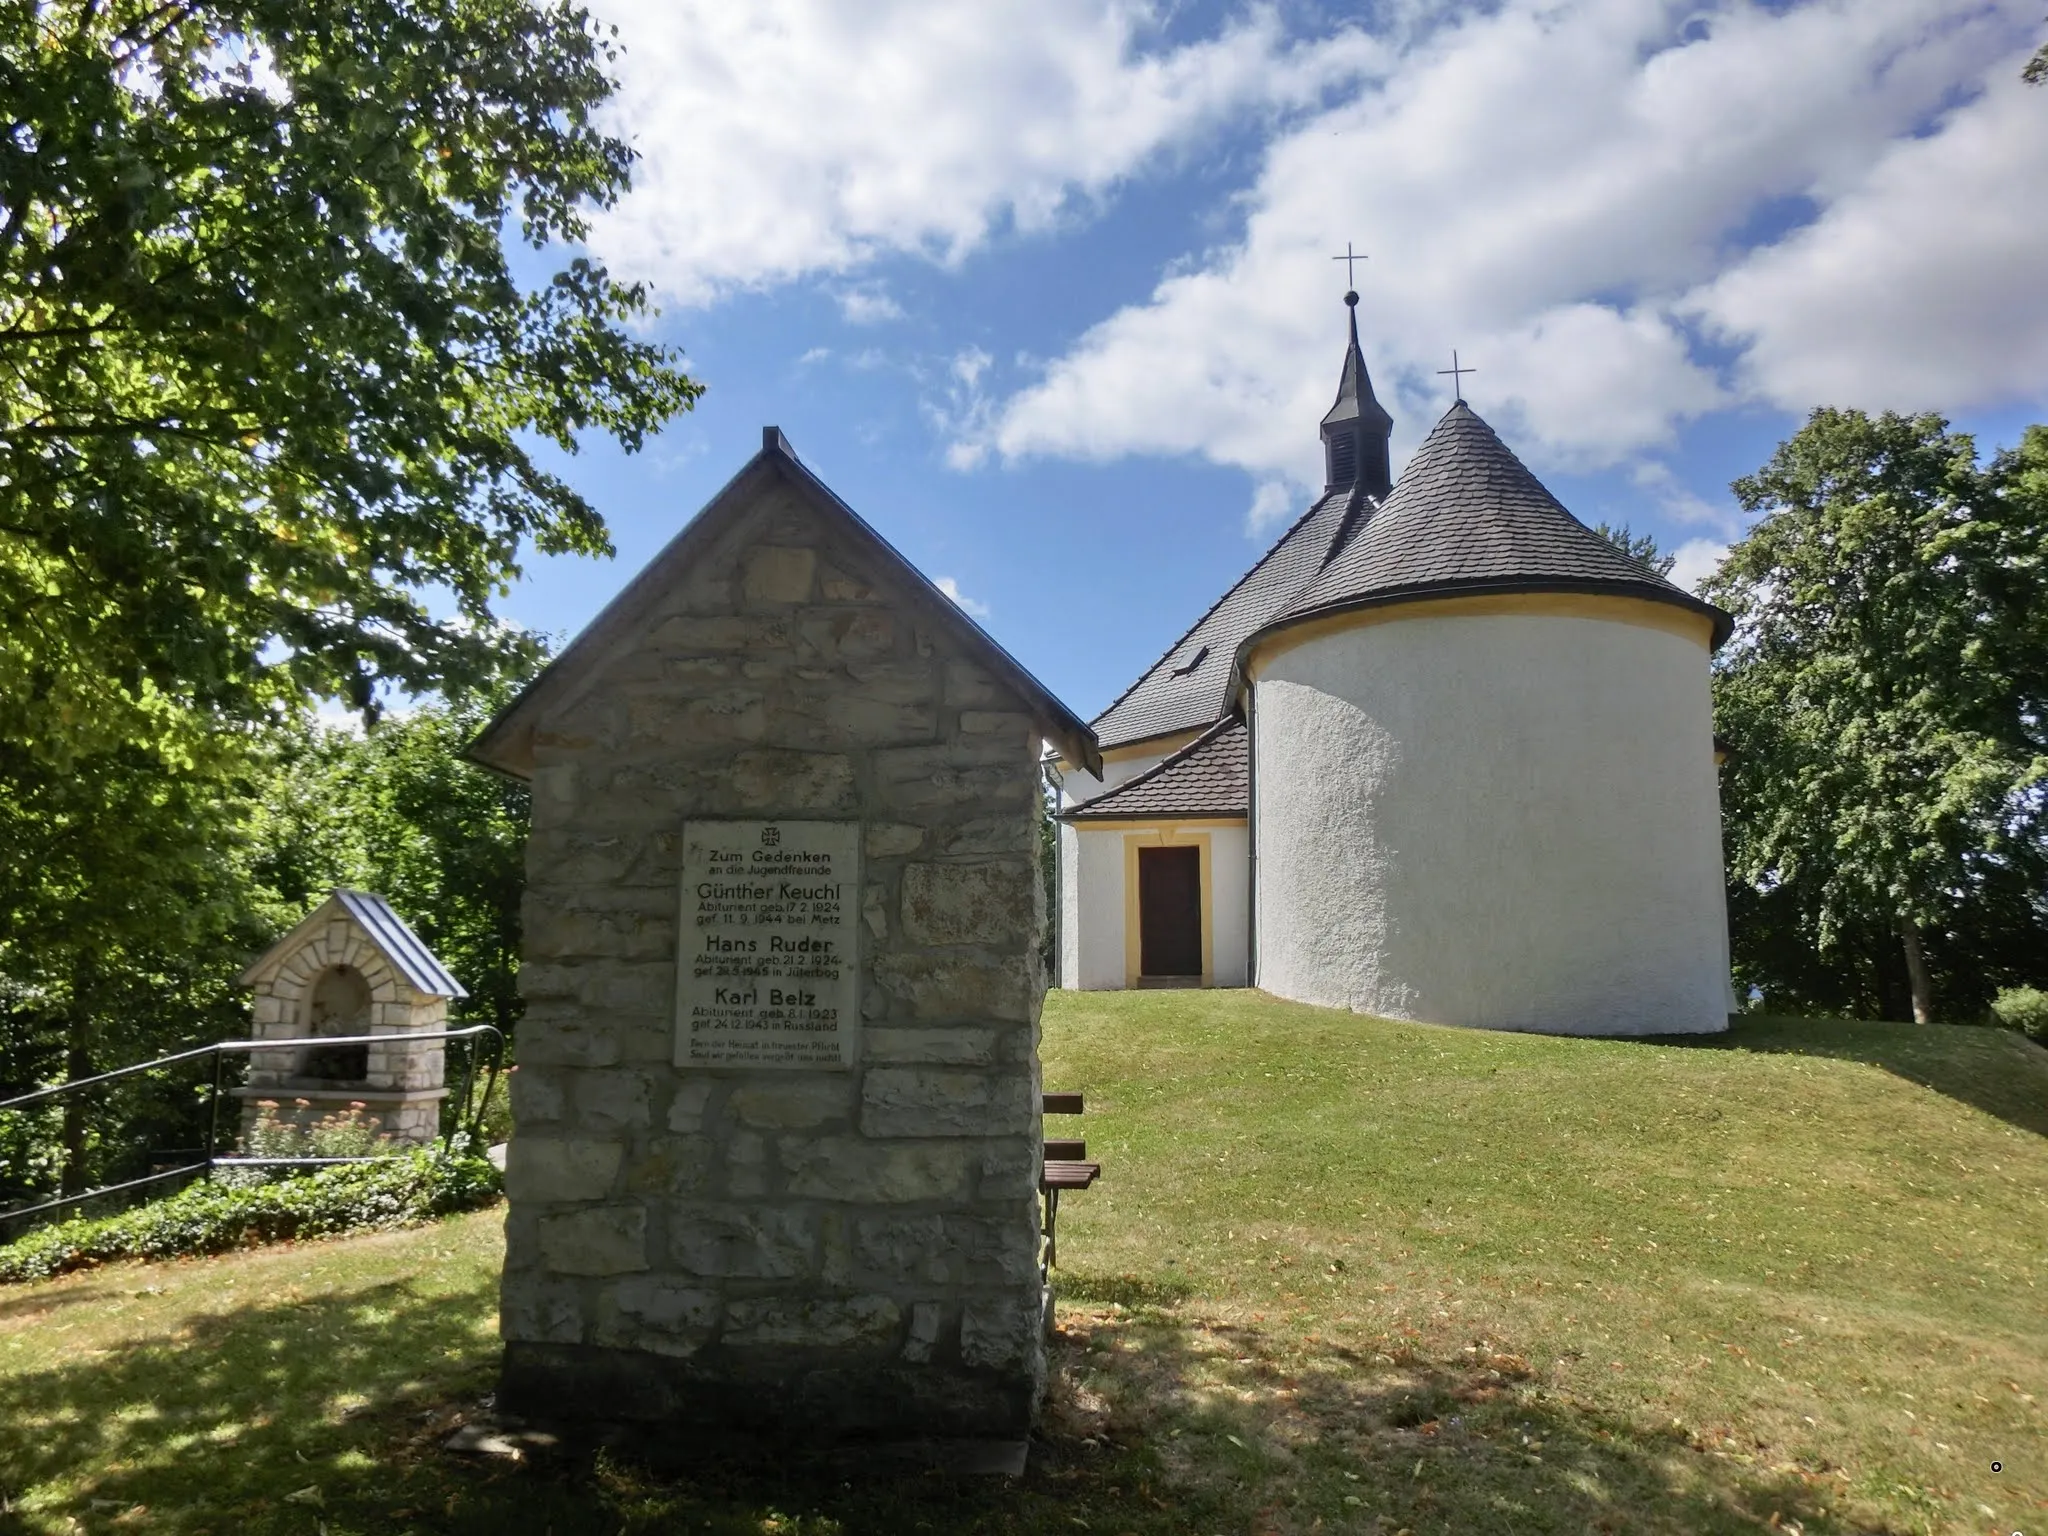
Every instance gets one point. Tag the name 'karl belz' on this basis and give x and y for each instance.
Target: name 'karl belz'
(778, 997)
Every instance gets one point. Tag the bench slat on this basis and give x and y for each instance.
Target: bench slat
(1069, 1175)
(1062, 1151)
(1061, 1104)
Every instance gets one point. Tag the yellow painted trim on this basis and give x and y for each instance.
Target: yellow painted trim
(1615, 608)
(1159, 746)
(1166, 835)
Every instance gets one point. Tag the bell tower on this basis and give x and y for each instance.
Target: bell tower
(1357, 427)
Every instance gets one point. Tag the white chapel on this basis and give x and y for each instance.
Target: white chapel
(1444, 753)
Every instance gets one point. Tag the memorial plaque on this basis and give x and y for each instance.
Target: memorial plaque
(769, 969)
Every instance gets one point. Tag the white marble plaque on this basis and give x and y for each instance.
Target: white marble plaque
(769, 969)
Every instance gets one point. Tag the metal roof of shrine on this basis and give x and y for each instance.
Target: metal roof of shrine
(393, 937)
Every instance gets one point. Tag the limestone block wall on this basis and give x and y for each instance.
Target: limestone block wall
(1509, 821)
(834, 1252)
(403, 1087)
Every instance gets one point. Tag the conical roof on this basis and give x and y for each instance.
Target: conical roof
(1355, 399)
(1468, 516)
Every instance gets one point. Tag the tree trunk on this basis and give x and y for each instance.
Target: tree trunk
(1916, 971)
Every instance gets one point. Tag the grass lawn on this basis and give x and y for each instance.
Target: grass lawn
(1340, 1275)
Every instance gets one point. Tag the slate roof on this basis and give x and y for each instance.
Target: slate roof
(1189, 686)
(1210, 776)
(1467, 515)
(1355, 399)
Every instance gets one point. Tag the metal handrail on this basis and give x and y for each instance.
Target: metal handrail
(246, 1046)
(467, 1120)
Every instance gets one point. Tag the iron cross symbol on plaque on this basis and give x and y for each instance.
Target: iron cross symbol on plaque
(1457, 376)
(1350, 260)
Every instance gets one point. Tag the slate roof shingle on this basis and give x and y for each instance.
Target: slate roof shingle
(1466, 515)
(1166, 700)
(1210, 776)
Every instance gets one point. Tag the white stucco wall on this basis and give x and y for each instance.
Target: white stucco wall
(1230, 881)
(1092, 901)
(1079, 784)
(1508, 821)
(1091, 909)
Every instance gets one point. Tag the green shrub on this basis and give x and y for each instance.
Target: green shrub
(214, 1217)
(2024, 1009)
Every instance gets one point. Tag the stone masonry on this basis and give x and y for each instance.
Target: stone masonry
(820, 1252)
(388, 984)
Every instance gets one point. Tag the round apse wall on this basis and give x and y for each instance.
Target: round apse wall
(1507, 820)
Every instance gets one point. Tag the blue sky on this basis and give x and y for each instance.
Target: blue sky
(1042, 287)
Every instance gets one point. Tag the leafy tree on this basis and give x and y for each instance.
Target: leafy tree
(1637, 546)
(2036, 72)
(1886, 695)
(128, 913)
(269, 376)
(397, 810)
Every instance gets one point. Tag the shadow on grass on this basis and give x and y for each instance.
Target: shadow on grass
(1996, 1070)
(281, 1417)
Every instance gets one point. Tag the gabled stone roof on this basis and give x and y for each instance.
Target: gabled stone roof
(1210, 776)
(1468, 516)
(506, 743)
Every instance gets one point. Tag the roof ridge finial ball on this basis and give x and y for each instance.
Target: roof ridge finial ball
(1351, 298)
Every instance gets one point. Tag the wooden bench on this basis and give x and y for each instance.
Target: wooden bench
(1066, 1167)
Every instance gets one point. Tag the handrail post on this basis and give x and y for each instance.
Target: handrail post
(213, 1116)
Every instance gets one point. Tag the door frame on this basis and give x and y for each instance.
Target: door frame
(1166, 837)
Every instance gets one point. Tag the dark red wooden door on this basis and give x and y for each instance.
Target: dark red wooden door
(1170, 911)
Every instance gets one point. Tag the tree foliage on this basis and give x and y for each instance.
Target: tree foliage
(268, 373)
(395, 809)
(281, 352)
(1886, 698)
(152, 911)
(1637, 546)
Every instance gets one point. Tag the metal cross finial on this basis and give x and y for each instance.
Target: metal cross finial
(1456, 373)
(1350, 260)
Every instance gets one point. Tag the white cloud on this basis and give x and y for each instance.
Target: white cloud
(951, 588)
(789, 136)
(869, 304)
(1685, 506)
(963, 415)
(1554, 187)
(1696, 560)
(1272, 500)
(1921, 287)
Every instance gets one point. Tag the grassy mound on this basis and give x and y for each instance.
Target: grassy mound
(213, 1218)
(1340, 1275)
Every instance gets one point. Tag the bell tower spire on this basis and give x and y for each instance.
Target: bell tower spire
(1357, 427)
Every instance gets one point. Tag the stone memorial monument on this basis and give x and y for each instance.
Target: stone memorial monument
(352, 966)
(776, 1139)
